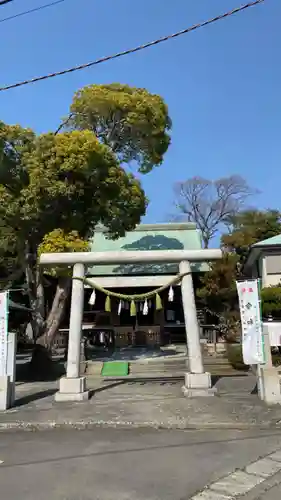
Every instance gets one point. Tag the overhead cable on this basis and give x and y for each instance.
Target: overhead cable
(30, 11)
(133, 50)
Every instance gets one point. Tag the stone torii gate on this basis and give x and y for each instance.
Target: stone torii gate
(73, 386)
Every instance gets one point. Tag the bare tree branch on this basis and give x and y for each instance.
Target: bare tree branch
(211, 204)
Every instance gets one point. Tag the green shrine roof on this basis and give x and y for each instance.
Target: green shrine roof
(274, 240)
(169, 236)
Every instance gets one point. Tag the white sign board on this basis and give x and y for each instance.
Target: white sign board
(3, 332)
(252, 336)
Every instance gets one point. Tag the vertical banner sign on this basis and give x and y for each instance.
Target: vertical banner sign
(3, 332)
(251, 322)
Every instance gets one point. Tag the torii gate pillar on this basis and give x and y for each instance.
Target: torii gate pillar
(197, 381)
(73, 386)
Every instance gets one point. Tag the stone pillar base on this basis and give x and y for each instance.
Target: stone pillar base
(198, 385)
(72, 389)
(270, 388)
(5, 393)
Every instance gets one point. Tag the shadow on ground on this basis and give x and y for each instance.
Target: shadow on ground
(216, 378)
(31, 398)
(24, 373)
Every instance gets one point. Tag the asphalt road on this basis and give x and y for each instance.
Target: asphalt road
(107, 464)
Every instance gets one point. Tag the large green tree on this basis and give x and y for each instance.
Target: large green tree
(133, 122)
(54, 190)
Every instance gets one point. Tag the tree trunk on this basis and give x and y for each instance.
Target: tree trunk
(41, 362)
(35, 288)
(206, 240)
(43, 332)
(37, 304)
(56, 314)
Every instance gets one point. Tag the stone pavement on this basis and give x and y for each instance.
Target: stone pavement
(273, 493)
(156, 403)
(269, 490)
(258, 480)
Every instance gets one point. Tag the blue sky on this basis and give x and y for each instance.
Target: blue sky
(222, 83)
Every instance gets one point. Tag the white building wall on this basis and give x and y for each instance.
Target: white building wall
(270, 268)
(272, 280)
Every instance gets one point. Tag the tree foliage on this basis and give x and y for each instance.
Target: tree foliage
(60, 241)
(75, 182)
(131, 121)
(72, 182)
(219, 289)
(10, 259)
(210, 204)
(219, 295)
(271, 301)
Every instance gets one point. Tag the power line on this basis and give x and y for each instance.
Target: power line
(133, 50)
(30, 11)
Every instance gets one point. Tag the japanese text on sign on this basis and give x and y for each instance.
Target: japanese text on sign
(251, 323)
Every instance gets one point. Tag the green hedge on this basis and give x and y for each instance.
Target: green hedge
(271, 301)
(235, 357)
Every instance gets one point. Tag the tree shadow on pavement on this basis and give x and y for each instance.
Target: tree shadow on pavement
(216, 378)
(24, 373)
(106, 387)
(31, 398)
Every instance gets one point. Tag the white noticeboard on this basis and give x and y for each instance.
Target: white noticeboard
(251, 322)
(3, 332)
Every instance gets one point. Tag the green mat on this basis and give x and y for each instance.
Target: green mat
(115, 369)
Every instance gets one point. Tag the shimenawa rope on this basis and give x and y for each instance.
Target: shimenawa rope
(141, 297)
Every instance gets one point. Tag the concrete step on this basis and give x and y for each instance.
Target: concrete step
(156, 369)
(167, 375)
(215, 369)
(213, 365)
(180, 362)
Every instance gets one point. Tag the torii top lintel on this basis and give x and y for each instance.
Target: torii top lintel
(129, 257)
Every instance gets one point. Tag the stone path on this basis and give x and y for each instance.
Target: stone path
(156, 403)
